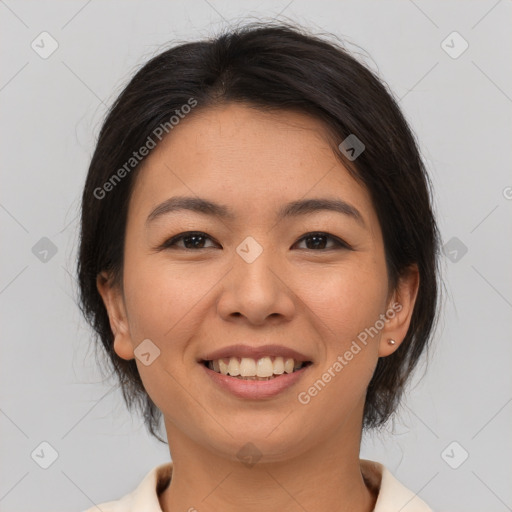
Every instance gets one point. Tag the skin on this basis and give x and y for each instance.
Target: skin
(315, 300)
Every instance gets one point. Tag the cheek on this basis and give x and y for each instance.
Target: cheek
(162, 304)
(349, 299)
(161, 298)
(346, 304)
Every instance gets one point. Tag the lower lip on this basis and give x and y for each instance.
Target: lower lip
(255, 389)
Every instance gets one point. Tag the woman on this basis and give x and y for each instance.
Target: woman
(258, 257)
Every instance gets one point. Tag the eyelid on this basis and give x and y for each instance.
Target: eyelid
(339, 242)
(170, 242)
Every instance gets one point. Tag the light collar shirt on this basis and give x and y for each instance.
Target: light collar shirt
(392, 495)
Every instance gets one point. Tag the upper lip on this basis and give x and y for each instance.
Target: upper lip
(254, 352)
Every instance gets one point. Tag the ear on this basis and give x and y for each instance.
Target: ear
(114, 303)
(399, 312)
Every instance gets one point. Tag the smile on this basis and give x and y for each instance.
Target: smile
(247, 368)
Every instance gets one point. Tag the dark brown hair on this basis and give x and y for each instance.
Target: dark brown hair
(273, 67)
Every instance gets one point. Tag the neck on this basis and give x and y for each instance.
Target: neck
(326, 475)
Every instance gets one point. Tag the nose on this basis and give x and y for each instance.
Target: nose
(259, 291)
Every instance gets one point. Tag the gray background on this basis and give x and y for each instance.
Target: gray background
(51, 111)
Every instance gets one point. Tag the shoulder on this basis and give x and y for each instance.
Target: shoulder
(144, 497)
(109, 506)
(392, 494)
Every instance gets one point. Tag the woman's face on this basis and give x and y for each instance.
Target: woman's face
(255, 283)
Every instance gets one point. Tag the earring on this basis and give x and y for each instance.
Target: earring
(391, 342)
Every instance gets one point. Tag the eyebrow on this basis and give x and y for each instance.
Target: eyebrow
(293, 209)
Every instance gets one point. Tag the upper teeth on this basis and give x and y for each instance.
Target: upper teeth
(248, 367)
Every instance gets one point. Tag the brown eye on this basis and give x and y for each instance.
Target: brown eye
(316, 241)
(191, 240)
(319, 241)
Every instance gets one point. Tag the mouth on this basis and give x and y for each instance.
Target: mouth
(261, 369)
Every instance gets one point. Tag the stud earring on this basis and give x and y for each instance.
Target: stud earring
(391, 342)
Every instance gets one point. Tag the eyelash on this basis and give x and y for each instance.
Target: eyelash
(340, 244)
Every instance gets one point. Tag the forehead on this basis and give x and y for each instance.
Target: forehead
(250, 159)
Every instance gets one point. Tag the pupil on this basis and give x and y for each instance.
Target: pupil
(317, 237)
(193, 237)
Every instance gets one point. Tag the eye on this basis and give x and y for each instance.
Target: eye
(191, 240)
(196, 240)
(318, 241)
